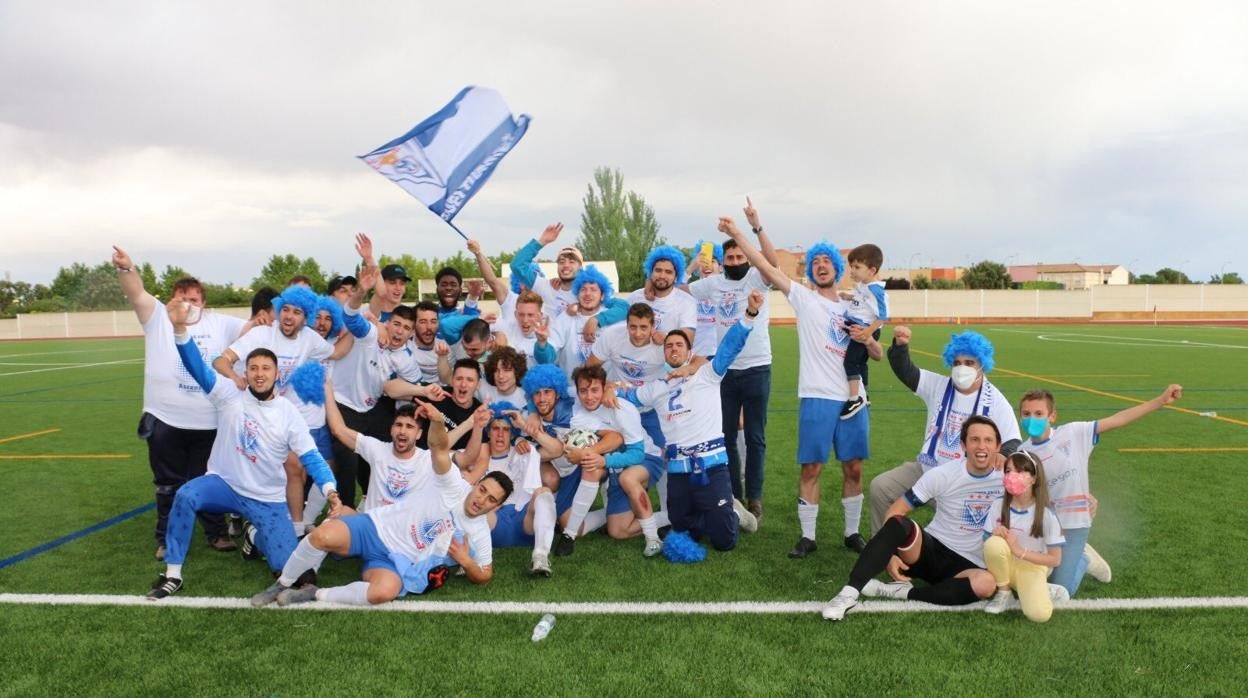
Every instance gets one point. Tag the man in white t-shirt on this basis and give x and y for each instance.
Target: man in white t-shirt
(629, 354)
(1065, 451)
(746, 389)
(557, 293)
(568, 332)
(950, 400)
(821, 385)
(178, 422)
(246, 471)
(406, 547)
(949, 553)
(398, 468)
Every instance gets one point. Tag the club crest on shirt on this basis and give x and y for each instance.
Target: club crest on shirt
(975, 508)
(729, 305)
(426, 533)
(706, 309)
(634, 371)
(249, 438)
(396, 482)
(836, 331)
(583, 350)
(953, 430)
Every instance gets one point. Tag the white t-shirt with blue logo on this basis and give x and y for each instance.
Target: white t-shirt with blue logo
(986, 402)
(633, 365)
(170, 393)
(392, 479)
(291, 352)
(822, 341)
(962, 504)
(423, 524)
(677, 310)
(730, 299)
(1020, 524)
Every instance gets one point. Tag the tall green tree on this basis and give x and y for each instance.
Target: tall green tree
(280, 268)
(100, 290)
(618, 225)
(1229, 277)
(168, 278)
(988, 275)
(1166, 275)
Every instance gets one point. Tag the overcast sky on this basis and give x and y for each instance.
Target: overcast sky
(211, 135)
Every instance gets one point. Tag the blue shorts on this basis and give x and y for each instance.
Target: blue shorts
(567, 490)
(508, 531)
(367, 545)
(617, 500)
(324, 444)
(820, 429)
(650, 422)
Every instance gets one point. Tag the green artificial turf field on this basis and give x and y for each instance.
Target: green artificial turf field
(1170, 524)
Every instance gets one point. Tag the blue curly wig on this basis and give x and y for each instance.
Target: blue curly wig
(671, 254)
(308, 382)
(717, 251)
(827, 250)
(969, 344)
(300, 297)
(517, 286)
(679, 547)
(544, 376)
(334, 308)
(589, 274)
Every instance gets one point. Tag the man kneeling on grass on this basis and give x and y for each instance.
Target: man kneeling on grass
(407, 546)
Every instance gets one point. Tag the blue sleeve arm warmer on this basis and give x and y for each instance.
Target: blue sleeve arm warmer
(630, 395)
(544, 354)
(356, 324)
(318, 469)
(730, 347)
(616, 310)
(521, 264)
(450, 327)
(194, 363)
(631, 454)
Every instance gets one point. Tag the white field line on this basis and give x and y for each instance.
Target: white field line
(617, 608)
(66, 368)
(1116, 340)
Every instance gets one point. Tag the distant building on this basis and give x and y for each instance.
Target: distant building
(1072, 276)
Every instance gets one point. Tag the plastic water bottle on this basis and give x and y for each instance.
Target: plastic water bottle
(542, 629)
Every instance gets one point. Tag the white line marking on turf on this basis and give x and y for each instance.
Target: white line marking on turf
(66, 368)
(1121, 341)
(617, 608)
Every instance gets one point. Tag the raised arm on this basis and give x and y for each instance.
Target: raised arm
(1125, 417)
(899, 358)
(764, 241)
(438, 440)
(333, 418)
(771, 273)
(487, 272)
(143, 302)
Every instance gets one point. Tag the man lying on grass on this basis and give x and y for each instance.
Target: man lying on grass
(408, 546)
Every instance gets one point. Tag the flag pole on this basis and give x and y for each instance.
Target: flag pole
(461, 233)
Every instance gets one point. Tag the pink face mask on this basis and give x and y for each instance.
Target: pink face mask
(1016, 483)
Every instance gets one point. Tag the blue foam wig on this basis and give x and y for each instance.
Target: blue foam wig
(670, 254)
(329, 305)
(308, 382)
(544, 376)
(498, 410)
(300, 297)
(590, 274)
(517, 286)
(679, 547)
(717, 251)
(827, 250)
(969, 344)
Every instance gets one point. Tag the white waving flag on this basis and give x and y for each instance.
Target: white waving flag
(446, 158)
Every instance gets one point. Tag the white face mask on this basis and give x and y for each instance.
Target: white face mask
(963, 376)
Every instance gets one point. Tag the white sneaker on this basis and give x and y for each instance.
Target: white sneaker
(749, 522)
(539, 565)
(840, 604)
(887, 590)
(1000, 602)
(1097, 567)
(653, 547)
(1058, 593)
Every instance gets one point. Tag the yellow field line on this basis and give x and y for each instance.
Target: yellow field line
(1102, 375)
(27, 436)
(1102, 393)
(58, 456)
(1226, 449)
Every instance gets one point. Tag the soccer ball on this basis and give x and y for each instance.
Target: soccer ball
(580, 438)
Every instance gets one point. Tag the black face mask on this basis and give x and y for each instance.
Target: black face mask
(261, 396)
(736, 272)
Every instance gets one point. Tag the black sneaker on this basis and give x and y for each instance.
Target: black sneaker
(235, 528)
(804, 547)
(664, 530)
(305, 579)
(856, 543)
(164, 586)
(564, 545)
(853, 407)
(248, 548)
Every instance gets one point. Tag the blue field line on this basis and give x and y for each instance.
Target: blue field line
(9, 561)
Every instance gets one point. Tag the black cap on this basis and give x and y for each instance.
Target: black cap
(390, 272)
(339, 281)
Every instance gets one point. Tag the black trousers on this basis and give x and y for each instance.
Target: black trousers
(176, 456)
(703, 510)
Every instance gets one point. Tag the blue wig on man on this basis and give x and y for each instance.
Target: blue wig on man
(670, 254)
(825, 249)
(499, 410)
(971, 344)
(590, 274)
(300, 297)
(544, 376)
(327, 304)
(308, 382)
